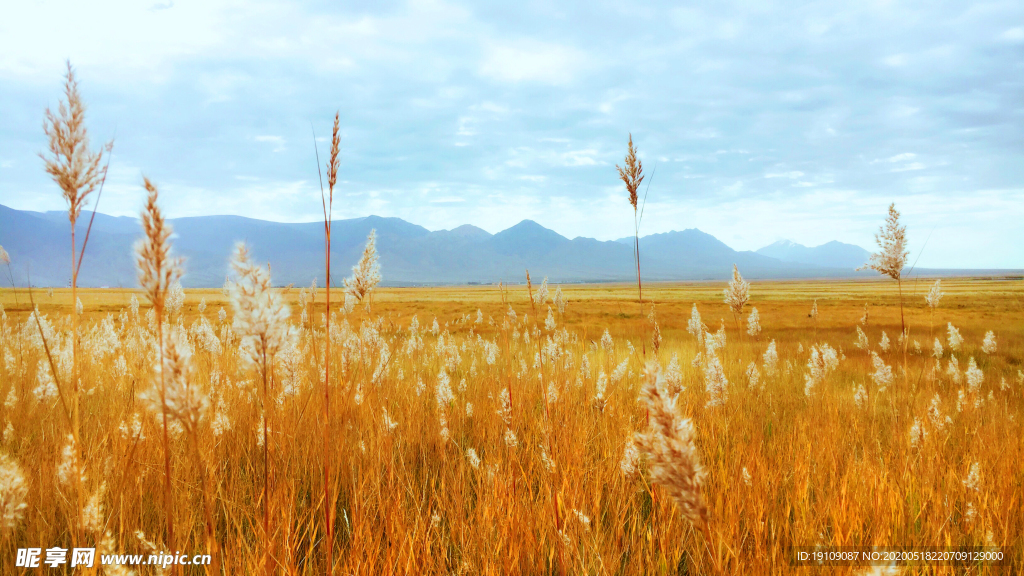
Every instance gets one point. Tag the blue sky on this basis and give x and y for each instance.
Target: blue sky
(760, 120)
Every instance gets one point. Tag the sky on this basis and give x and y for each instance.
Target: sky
(755, 121)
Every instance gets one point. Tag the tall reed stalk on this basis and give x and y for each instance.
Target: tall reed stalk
(890, 260)
(261, 319)
(77, 171)
(328, 207)
(158, 270)
(632, 175)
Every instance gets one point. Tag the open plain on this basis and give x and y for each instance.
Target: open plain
(474, 430)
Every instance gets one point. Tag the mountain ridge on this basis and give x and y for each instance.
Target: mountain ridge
(833, 252)
(410, 254)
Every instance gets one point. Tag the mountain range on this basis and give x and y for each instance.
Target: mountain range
(39, 246)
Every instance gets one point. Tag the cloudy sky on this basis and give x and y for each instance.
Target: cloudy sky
(756, 121)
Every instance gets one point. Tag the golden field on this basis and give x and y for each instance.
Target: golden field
(467, 481)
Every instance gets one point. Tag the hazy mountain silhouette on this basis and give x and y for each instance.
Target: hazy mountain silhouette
(39, 245)
(829, 254)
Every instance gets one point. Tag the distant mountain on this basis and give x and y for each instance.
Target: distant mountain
(39, 244)
(832, 254)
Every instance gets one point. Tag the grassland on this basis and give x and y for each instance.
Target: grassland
(533, 481)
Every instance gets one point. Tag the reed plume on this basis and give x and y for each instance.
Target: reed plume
(158, 269)
(955, 340)
(560, 301)
(529, 291)
(182, 399)
(366, 273)
(71, 164)
(260, 314)
(5, 258)
(13, 492)
(542, 292)
(988, 346)
(753, 323)
(669, 446)
(932, 299)
(737, 294)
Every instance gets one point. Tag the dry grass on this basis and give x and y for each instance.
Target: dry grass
(780, 468)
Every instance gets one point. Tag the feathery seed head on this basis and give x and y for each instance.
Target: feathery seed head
(918, 434)
(473, 458)
(630, 457)
(955, 340)
(892, 243)
(988, 346)
(333, 161)
(92, 514)
(860, 396)
(935, 413)
(862, 340)
(541, 295)
(510, 438)
(158, 269)
(738, 291)
(560, 300)
(13, 492)
(444, 394)
(669, 446)
(366, 273)
(753, 376)
(715, 381)
(182, 398)
(175, 299)
(753, 322)
(70, 465)
(607, 343)
(771, 359)
(72, 165)
(632, 174)
(389, 424)
(953, 370)
(973, 480)
(823, 361)
(882, 374)
(260, 314)
(934, 295)
(695, 326)
(974, 376)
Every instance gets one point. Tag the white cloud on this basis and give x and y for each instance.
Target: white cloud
(579, 158)
(118, 38)
(794, 174)
(277, 141)
(1013, 35)
(896, 60)
(909, 167)
(902, 157)
(531, 60)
